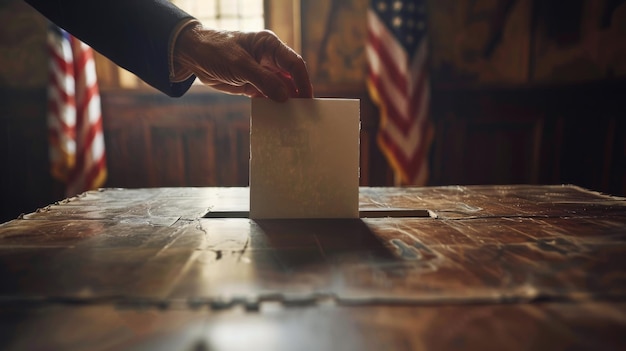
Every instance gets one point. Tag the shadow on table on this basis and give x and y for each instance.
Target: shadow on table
(298, 242)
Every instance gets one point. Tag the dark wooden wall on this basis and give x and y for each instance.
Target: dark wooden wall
(25, 180)
(532, 134)
(153, 140)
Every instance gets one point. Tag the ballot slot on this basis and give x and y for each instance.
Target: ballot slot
(395, 213)
(363, 213)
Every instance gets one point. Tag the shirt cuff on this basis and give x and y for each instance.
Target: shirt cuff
(176, 75)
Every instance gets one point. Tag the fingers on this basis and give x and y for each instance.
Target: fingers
(255, 86)
(252, 64)
(293, 63)
(237, 72)
(272, 87)
(266, 81)
(287, 82)
(268, 49)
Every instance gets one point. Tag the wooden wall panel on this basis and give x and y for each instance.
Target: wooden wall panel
(181, 153)
(493, 151)
(25, 180)
(592, 161)
(532, 135)
(153, 140)
(125, 146)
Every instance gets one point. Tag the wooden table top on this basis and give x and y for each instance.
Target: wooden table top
(488, 267)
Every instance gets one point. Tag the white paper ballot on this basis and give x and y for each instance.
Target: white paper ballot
(304, 158)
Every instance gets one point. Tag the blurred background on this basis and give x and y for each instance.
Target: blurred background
(522, 91)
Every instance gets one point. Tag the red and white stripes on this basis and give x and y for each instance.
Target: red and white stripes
(77, 153)
(400, 88)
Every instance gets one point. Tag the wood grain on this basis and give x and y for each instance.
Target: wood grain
(504, 267)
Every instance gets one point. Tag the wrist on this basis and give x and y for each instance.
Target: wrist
(184, 38)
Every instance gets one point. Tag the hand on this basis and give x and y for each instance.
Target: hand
(254, 64)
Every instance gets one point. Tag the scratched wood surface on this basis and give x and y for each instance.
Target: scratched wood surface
(519, 267)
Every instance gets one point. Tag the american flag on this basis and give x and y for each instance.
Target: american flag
(397, 52)
(76, 150)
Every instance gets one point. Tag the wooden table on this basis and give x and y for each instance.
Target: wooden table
(492, 267)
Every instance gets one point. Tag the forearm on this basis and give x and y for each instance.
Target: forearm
(135, 34)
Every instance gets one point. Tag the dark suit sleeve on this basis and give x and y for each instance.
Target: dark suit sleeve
(135, 34)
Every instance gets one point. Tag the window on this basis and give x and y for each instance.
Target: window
(245, 15)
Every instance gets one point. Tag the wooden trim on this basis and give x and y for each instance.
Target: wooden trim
(283, 17)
